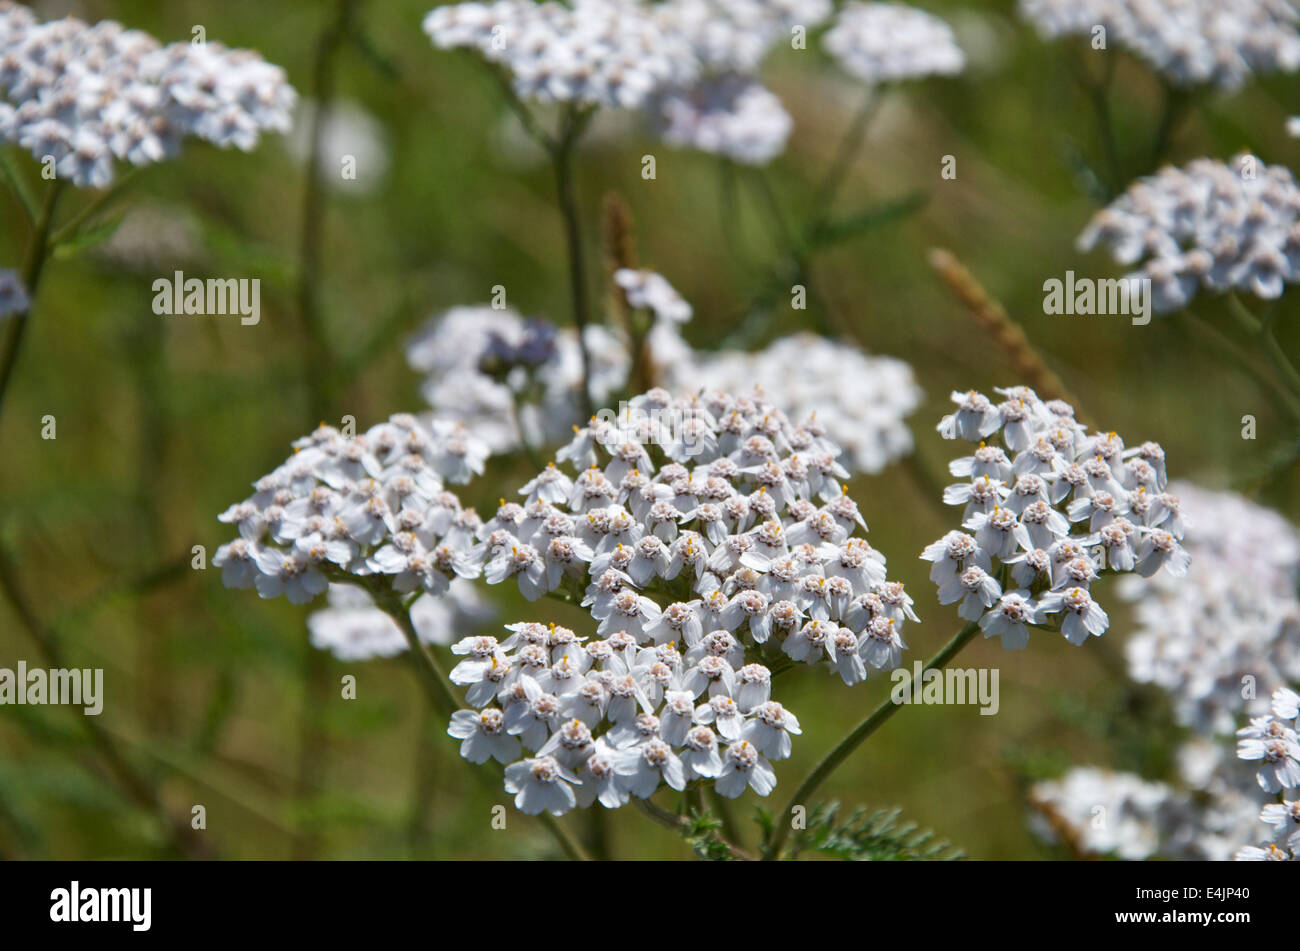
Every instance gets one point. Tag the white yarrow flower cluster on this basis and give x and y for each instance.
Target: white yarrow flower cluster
(1272, 742)
(1212, 639)
(610, 53)
(356, 508)
(85, 95)
(689, 65)
(1224, 227)
(730, 115)
(1047, 509)
(887, 42)
(691, 533)
(1217, 42)
(734, 36)
(1236, 613)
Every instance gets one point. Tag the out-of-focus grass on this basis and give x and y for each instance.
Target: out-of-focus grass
(162, 422)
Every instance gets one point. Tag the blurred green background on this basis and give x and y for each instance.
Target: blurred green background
(213, 696)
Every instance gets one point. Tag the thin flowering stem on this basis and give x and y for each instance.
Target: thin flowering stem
(679, 823)
(723, 809)
(566, 191)
(521, 111)
(38, 252)
(517, 417)
(134, 784)
(832, 760)
(1098, 93)
(442, 695)
(316, 354)
(838, 171)
(1222, 343)
(1177, 103)
(440, 690)
(92, 208)
(1263, 330)
(794, 246)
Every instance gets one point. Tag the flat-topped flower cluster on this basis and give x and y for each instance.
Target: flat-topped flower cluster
(349, 508)
(690, 65)
(1234, 618)
(1215, 42)
(85, 95)
(692, 532)
(1047, 509)
(1213, 225)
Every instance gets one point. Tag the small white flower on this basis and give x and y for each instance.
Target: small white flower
(541, 785)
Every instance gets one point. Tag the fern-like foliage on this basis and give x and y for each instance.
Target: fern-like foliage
(869, 836)
(704, 833)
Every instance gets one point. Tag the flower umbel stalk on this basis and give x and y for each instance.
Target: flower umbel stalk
(566, 192)
(443, 697)
(38, 252)
(832, 760)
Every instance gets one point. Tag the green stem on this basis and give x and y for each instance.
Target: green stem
(1263, 330)
(317, 355)
(70, 227)
(832, 760)
(722, 807)
(567, 194)
(838, 171)
(134, 784)
(1177, 102)
(38, 252)
(1226, 345)
(442, 695)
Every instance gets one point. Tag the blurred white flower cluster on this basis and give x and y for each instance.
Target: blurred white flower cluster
(1206, 817)
(1220, 640)
(500, 374)
(860, 400)
(353, 628)
(729, 115)
(1102, 812)
(1220, 226)
(886, 42)
(611, 53)
(359, 507)
(1050, 509)
(691, 65)
(690, 533)
(1232, 622)
(1217, 42)
(85, 95)
(351, 137)
(503, 375)
(646, 290)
